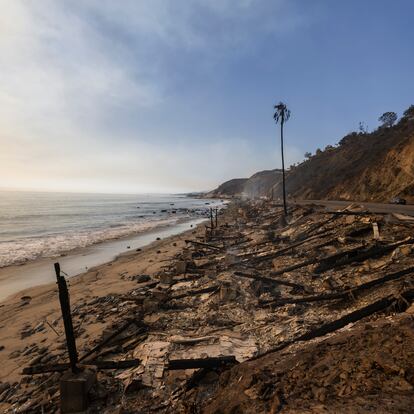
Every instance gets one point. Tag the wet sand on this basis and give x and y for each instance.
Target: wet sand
(16, 278)
(98, 281)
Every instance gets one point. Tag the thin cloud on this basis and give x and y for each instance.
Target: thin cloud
(70, 68)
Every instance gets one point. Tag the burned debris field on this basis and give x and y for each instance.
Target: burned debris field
(253, 313)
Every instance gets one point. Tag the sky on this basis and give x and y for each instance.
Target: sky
(131, 96)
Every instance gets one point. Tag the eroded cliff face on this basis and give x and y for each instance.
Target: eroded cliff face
(392, 175)
(368, 167)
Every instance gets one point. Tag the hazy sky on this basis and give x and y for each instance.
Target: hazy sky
(177, 95)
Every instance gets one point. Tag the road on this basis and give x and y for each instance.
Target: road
(373, 207)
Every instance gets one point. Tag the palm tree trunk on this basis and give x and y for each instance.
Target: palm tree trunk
(283, 168)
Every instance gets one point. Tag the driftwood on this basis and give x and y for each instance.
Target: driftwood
(341, 295)
(269, 280)
(352, 317)
(216, 362)
(42, 369)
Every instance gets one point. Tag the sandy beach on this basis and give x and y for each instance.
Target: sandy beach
(101, 280)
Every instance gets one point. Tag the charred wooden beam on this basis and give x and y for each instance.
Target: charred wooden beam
(308, 232)
(378, 306)
(269, 280)
(305, 299)
(108, 339)
(341, 295)
(358, 230)
(210, 363)
(271, 255)
(67, 318)
(357, 255)
(295, 267)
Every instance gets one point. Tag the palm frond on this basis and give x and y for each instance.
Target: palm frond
(281, 114)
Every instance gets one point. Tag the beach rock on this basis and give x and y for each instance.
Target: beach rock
(15, 354)
(36, 360)
(30, 350)
(1, 347)
(26, 333)
(6, 394)
(40, 327)
(4, 386)
(25, 300)
(46, 358)
(43, 350)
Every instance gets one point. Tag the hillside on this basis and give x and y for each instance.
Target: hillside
(253, 187)
(229, 188)
(372, 166)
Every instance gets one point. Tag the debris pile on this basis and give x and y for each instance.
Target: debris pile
(257, 313)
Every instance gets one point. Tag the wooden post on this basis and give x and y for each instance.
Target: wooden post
(211, 219)
(67, 319)
(216, 211)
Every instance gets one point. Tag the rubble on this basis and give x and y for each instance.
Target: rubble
(257, 313)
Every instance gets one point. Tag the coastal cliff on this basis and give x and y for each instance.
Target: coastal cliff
(375, 166)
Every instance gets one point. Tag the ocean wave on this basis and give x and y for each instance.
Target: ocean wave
(24, 250)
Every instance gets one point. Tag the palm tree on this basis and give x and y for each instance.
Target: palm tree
(282, 115)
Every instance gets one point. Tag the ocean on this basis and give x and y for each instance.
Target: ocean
(36, 225)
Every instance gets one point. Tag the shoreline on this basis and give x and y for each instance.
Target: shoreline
(18, 278)
(113, 277)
